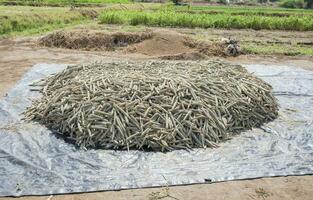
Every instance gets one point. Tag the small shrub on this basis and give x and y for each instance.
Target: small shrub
(139, 19)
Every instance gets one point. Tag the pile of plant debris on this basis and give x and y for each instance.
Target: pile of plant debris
(152, 105)
(95, 40)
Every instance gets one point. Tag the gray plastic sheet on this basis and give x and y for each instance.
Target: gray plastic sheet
(34, 161)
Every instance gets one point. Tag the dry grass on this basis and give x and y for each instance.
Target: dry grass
(96, 40)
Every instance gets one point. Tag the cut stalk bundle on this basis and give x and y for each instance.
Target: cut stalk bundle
(158, 105)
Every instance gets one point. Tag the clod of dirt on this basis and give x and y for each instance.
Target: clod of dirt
(87, 40)
(162, 44)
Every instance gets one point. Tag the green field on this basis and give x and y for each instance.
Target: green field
(228, 17)
(59, 2)
(25, 20)
(172, 18)
(37, 19)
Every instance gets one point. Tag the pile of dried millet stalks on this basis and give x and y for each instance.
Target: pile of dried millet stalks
(154, 105)
(96, 40)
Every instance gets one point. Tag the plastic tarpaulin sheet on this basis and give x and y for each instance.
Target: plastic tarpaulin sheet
(34, 161)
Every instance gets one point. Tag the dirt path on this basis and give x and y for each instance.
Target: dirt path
(18, 55)
(285, 188)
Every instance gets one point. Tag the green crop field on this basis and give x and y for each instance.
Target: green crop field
(172, 18)
(59, 2)
(37, 19)
(30, 20)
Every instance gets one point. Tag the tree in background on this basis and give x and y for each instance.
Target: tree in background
(296, 3)
(309, 3)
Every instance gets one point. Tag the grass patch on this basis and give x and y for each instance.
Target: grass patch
(35, 19)
(277, 49)
(44, 29)
(172, 18)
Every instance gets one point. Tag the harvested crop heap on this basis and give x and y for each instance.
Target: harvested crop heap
(158, 105)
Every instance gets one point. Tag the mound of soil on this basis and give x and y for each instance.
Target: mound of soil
(174, 46)
(87, 40)
(162, 44)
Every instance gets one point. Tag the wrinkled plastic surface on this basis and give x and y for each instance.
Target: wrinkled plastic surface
(33, 161)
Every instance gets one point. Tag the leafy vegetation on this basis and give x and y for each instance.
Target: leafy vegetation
(178, 19)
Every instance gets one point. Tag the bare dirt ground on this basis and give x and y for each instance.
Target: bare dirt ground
(20, 54)
(282, 188)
